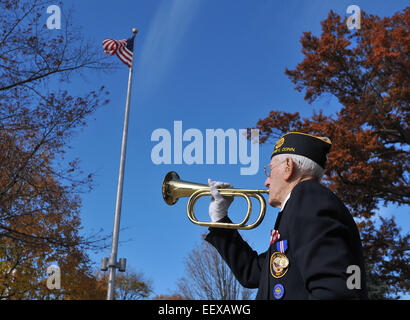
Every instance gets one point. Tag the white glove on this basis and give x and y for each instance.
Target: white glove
(218, 208)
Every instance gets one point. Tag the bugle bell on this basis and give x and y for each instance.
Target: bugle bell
(174, 188)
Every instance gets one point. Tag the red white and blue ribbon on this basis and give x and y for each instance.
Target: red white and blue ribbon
(274, 236)
(282, 246)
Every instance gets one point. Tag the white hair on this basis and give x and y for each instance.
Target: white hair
(304, 166)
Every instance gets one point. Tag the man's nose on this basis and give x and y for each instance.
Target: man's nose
(267, 182)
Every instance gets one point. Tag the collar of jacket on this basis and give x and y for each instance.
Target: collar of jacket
(284, 202)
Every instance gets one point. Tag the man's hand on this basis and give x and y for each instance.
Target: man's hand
(218, 208)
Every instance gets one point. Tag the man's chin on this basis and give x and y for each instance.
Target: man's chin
(273, 203)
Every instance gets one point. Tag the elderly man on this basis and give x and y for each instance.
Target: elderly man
(315, 242)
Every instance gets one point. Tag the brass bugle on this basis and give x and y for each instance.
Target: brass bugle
(174, 188)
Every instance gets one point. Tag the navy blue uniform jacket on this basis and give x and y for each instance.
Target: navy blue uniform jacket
(323, 241)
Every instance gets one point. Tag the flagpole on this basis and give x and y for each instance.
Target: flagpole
(112, 261)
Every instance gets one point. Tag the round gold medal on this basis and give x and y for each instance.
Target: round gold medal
(277, 261)
(284, 262)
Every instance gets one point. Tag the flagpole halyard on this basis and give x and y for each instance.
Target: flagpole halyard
(111, 263)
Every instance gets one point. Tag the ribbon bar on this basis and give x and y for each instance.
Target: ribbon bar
(274, 236)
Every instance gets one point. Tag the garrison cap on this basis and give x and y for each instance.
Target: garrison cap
(303, 144)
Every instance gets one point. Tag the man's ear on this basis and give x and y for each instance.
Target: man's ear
(289, 169)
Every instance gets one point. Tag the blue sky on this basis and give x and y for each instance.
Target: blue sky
(210, 64)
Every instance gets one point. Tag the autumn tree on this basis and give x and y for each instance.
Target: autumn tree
(129, 285)
(208, 277)
(367, 71)
(39, 189)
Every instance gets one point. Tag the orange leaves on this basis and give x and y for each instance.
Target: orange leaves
(275, 123)
(39, 202)
(39, 219)
(368, 165)
(367, 71)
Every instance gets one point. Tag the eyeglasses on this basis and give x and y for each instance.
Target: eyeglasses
(269, 167)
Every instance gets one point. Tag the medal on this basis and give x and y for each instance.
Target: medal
(279, 262)
(278, 291)
(276, 265)
(284, 261)
(282, 246)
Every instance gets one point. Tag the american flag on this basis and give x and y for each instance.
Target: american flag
(123, 48)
